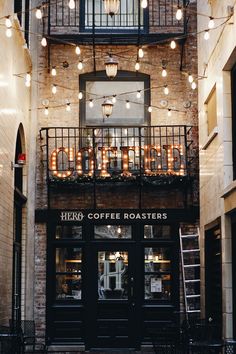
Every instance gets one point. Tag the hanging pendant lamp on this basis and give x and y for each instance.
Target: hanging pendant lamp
(111, 6)
(111, 65)
(107, 107)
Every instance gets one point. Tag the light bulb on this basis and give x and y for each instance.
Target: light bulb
(44, 42)
(80, 95)
(8, 32)
(169, 112)
(80, 65)
(149, 109)
(8, 22)
(166, 90)
(140, 53)
(91, 103)
(211, 23)
(46, 111)
(164, 72)
(114, 99)
(38, 14)
(206, 35)
(27, 83)
(179, 14)
(138, 94)
(194, 85)
(144, 4)
(68, 107)
(127, 105)
(54, 89)
(28, 77)
(173, 44)
(71, 4)
(190, 78)
(137, 66)
(54, 71)
(77, 50)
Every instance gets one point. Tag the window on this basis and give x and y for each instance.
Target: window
(211, 111)
(125, 86)
(21, 8)
(233, 81)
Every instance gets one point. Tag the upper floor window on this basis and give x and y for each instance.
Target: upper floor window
(211, 108)
(21, 8)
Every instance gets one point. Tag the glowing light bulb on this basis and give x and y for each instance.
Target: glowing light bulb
(166, 90)
(54, 89)
(46, 111)
(80, 95)
(173, 44)
(164, 72)
(194, 85)
(8, 22)
(169, 112)
(137, 66)
(127, 105)
(144, 4)
(68, 107)
(9, 32)
(179, 14)
(77, 50)
(71, 4)
(140, 53)
(28, 77)
(211, 23)
(38, 13)
(44, 42)
(190, 78)
(27, 83)
(114, 99)
(138, 94)
(206, 35)
(80, 65)
(53, 71)
(91, 103)
(149, 109)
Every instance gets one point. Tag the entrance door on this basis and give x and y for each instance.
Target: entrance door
(112, 305)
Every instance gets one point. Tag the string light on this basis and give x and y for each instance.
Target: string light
(91, 103)
(80, 65)
(38, 13)
(44, 42)
(80, 95)
(54, 89)
(144, 4)
(9, 32)
(206, 35)
(46, 111)
(138, 94)
(179, 14)
(169, 112)
(194, 85)
(71, 4)
(150, 109)
(166, 90)
(140, 53)
(68, 107)
(53, 71)
(114, 99)
(173, 44)
(137, 66)
(127, 104)
(27, 80)
(190, 78)
(211, 23)
(164, 72)
(8, 22)
(77, 50)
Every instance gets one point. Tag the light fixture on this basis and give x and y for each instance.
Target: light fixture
(194, 85)
(80, 65)
(150, 109)
(68, 107)
(173, 44)
(53, 71)
(46, 111)
(144, 4)
(138, 94)
(190, 78)
(54, 89)
(164, 72)
(8, 23)
(179, 13)
(166, 90)
(111, 6)
(107, 107)
(90, 103)
(71, 4)
(80, 95)
(127, 104)
(169, 112)
(27, 80)
(211, 23)
(44, 42)
(206, 35)
(38, 13)
(140, 53)
(111, 66)
(119, 232)
(8, 32)
(137, 66)
(114, 98)
(77, 50)
(27, 83)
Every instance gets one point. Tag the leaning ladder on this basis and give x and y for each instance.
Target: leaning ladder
(190, 260)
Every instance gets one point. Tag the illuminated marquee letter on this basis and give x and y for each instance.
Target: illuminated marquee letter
(105, 159)
(79, 160)
(69, 152)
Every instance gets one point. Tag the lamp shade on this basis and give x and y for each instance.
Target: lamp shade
(111, 6)
(111, 65)
(107, 107)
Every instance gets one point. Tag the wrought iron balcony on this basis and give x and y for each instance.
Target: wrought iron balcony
(79, 155)
(89, 23)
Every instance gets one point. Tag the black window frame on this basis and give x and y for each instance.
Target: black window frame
(233, 95)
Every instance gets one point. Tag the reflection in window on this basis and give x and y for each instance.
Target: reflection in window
(157, 231)
(69, 231)
(68, 273)
(157, 278)
(112, 275)
(112, 232)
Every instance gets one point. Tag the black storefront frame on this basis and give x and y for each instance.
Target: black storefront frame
(166, 310)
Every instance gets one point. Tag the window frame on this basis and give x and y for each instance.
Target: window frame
(233, 93)
(211, 128)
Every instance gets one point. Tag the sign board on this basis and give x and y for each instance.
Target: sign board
(156, 285)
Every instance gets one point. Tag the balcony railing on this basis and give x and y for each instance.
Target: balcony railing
(88, 20)
(77, 155)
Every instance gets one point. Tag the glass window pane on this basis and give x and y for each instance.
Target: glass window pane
(157, 231)
(112, 232)
(68, 260)
(158, 287)
(157, 259)
(69, 231)
(68, 287)
(112, 275)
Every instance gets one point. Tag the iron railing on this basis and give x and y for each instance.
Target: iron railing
(88, 19)
(117, 153)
